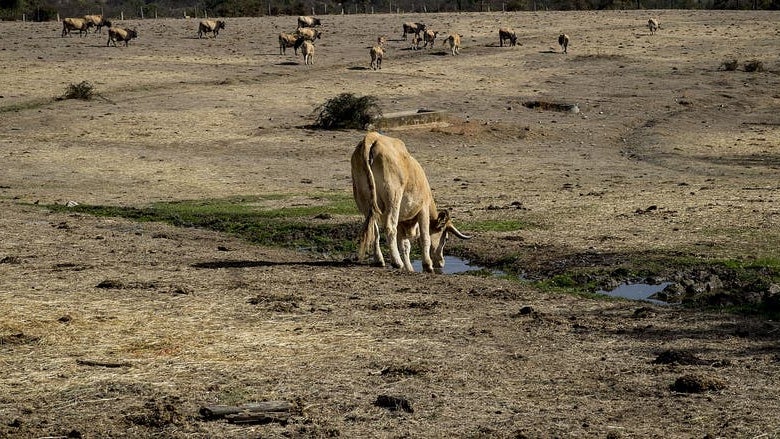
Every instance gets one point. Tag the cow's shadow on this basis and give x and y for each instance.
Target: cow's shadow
(357, 68)
(253, 264)
(288, 63)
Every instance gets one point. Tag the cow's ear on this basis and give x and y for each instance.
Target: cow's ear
(443, 219)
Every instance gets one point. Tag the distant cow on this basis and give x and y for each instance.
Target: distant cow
(415, 44)
(213, 26)
(307, 50)
(288, 40)
(454, 42)
(413, 28)
(306, 21)
(98, 21)
(563, 41)
(429, 37)
(120, 34)
(308, 34)
(377, 53)
(79, 24)
(653, 25)
(506, 34)
(391, 189)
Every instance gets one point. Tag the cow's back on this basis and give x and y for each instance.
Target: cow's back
(396, 174)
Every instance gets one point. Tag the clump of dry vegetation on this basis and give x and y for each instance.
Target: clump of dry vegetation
(84, 90)
(348, 111)
(754, 66)
(730, 65)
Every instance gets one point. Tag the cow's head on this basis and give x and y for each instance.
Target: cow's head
(441, 229)
(316, 22)
(220, 24)
(132, 33)
(106, 23)
(317, 34)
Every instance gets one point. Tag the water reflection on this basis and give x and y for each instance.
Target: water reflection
(453, 265)
(637, 292)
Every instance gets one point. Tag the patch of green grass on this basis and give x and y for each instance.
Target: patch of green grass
(290, 227)
(561, 282)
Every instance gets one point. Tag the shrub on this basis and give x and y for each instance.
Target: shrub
(84, 90)
(347, 111)
(730, 65)
(754, 66)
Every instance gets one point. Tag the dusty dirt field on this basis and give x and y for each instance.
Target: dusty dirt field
(192, 317)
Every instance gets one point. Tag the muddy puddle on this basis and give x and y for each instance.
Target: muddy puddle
(455, 265)
(637, 291)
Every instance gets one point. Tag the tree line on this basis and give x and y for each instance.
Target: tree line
(46, 10)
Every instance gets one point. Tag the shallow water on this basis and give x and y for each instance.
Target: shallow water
(453, 265)
(637, 292)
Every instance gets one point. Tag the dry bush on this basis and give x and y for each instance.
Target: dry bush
(347, 111)
(730, 65)
(84, 90)
(754, 66)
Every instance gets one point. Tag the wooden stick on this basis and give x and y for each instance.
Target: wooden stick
(103, 363)
(221, 411)
(258, 418)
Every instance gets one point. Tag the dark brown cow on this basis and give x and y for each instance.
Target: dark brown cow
(213, 26)
(120, 34)
(79, 24)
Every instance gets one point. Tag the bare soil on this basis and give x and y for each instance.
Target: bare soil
(111, 328)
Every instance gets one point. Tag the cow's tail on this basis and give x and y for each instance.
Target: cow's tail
(370, 225)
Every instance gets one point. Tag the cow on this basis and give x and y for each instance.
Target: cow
(307, 50)
(120, 34)
(79, 24)
(308, 34)
(454, 42)
(288, 40)
(381, 40)
(98, 21)
(507, 34)
(213, 26)
(563, 41)
(653, 25)
(390, 187)
(377, 53)
(416, 40)
(306, 21)
(429, 37)
(413, 28)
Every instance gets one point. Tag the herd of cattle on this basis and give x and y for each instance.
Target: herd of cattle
(306, 35)
(389, 186)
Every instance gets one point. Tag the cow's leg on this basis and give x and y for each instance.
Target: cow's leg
(425, 242)
(391, 229)
(406, 247)
(379, 259)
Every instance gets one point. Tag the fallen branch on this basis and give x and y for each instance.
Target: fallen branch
(258, 418)
(103, 363)
(266, 408)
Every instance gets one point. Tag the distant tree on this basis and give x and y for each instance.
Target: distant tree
(11, 4)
